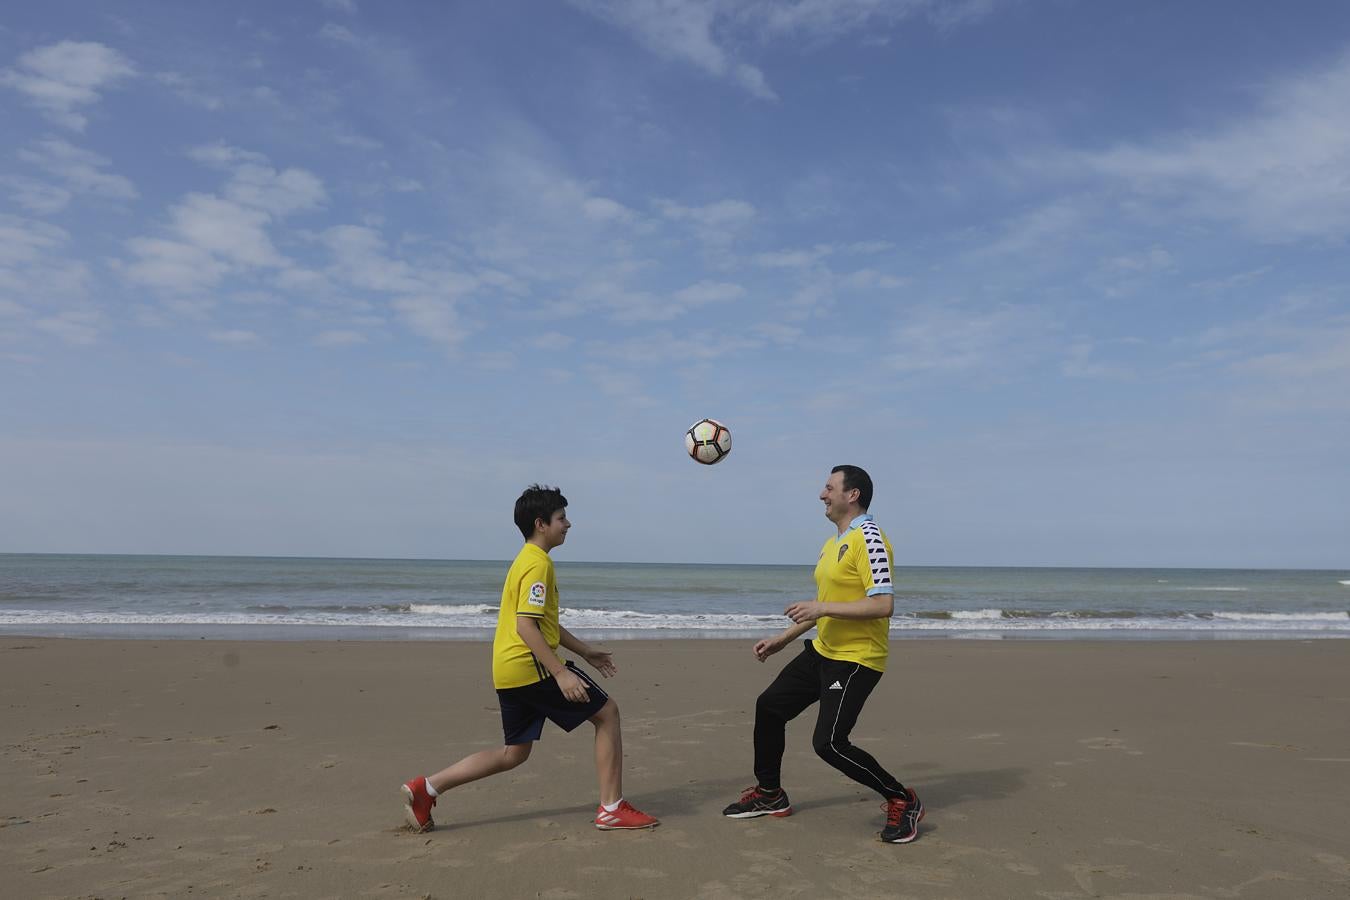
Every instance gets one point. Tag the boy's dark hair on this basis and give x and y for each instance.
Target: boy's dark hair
(538, 502)
(856, 478)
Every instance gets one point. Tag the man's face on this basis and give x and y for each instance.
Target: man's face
(836, 499)
(555, 529)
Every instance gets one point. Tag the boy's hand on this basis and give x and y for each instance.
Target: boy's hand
(572, 687)
(601, 661)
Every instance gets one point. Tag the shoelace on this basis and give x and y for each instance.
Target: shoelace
(751, 793)
(894, 810)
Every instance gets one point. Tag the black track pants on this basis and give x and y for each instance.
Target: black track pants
(841, 688)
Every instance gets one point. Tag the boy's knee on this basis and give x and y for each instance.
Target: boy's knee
(825, 748)
(607, 713)
(515, 754)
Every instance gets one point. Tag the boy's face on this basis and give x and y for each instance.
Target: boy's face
(554, 531)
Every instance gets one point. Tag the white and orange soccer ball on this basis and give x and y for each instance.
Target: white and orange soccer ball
(708, 441)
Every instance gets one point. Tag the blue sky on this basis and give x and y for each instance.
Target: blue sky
(340, 278)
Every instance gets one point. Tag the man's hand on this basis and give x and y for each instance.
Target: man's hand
(805, 611)
(601, 661)
(572, 687)
(768, 647)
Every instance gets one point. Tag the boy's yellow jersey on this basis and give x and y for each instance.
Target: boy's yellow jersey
(530, 590)
(854, 565)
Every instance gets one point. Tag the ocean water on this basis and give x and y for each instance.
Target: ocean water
(363, 599)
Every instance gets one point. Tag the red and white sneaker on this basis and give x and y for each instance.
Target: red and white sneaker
(624, 818)
(417, 804)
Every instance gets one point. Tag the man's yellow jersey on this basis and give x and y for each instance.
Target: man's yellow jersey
(530, 590)
(854, 565)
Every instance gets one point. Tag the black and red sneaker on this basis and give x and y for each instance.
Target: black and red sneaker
(417, 804)
(757, 802)
(902, 818)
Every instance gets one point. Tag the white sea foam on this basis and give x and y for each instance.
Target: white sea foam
(1283, 617)
(1346, 582)
(443, 609)
(1235, 590)
(475, 617)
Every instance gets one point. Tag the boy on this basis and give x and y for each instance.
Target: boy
(533, 684)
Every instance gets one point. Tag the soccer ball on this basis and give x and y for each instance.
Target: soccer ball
(708, 441)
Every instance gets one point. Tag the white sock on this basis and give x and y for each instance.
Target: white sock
(610, 807)
(431, 791)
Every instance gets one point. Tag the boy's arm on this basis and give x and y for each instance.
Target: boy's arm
(599, 659)
(572, 687)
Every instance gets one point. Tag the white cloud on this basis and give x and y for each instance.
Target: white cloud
(950, 340)
(78, 327)
(714, 215)
(279, 193)
(171, 265)
(210, 237)
(708, 292)
(1152, 260)
(832, 19)
(342, 6)
(235, 336)
(186, 89)
(792, 259)
(625, 388)
(681, 31)
(434, 318)
(338, 34)
(424, 298)
(602, 209)
(222, 155)
(225, 229)
(1278, 175)
(707, 34)
(60, 78)
(25, 240)
(1040, 230)
(80, 170)
(339, 338)
(36, 196)
(1083, 361)
(715, 224)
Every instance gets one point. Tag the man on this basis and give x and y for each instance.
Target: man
(839, 668)
(533, 684)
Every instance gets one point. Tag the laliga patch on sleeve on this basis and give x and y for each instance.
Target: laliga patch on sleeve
(536, 597)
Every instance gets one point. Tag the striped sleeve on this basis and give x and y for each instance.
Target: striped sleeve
(877, 579)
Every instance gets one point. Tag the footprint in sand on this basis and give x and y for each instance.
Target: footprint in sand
(1109, 743)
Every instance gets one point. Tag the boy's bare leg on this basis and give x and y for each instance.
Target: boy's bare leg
(608, 752)
(481, 765)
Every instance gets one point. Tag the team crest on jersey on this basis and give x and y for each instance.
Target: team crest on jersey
(843, 548)
(537, 591)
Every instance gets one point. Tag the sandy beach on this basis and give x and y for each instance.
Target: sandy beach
(1049, 769)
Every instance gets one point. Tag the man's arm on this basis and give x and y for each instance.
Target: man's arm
(572, 687)
(879, 606)
(769, 646)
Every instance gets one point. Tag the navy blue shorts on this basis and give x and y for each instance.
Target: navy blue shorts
(524, 709)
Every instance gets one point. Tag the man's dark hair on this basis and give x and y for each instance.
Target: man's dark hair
(539, 502)
(856, 478)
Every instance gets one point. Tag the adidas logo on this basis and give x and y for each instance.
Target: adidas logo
(835, 687)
